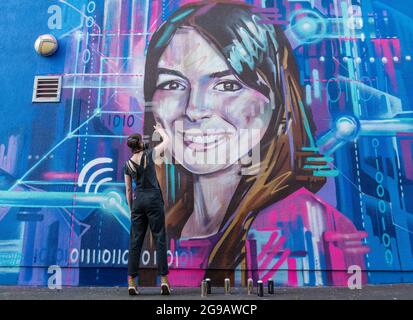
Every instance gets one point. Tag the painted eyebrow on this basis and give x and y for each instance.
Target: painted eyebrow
(221, 74)
(172, 72)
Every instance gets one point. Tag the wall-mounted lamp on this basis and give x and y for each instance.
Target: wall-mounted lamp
(46, 45)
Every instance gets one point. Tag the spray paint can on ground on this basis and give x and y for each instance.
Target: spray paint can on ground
(208, 282)
(204, 290)
(227, 286)
(260, 288)
(250, 286)
(271, 286)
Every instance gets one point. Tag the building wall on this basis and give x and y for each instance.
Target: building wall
(341, 205)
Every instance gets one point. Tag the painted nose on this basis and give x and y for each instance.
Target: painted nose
(197, 107)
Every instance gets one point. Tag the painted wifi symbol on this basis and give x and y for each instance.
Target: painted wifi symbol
(94, 175)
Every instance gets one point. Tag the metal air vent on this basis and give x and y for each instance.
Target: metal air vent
(47, 89)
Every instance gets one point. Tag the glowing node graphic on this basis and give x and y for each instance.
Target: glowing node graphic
(347, 127)
(308, 26)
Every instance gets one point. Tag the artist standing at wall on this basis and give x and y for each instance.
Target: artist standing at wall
(147, 207)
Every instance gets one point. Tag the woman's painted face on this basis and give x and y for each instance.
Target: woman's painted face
(213, 118)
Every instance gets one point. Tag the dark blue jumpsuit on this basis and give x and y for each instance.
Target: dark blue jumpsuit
(147, 208)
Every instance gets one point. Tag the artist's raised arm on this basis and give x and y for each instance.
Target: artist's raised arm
(165, 141)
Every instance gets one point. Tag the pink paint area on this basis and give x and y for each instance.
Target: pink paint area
(190, 257)
(388, 48)
(8, 155)
(186, 278)
(300, 228)
(292, 273)
(155, 17)
(269, 254)
(55, 175)
(269, 274)
(407, 156)
(249, 264)
(304, 227)
(339, 263)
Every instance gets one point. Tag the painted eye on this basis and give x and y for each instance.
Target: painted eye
(171, 85)
(228, 86)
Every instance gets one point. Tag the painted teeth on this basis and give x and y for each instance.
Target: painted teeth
(202, 139)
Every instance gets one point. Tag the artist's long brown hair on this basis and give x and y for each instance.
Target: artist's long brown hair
(227, 26)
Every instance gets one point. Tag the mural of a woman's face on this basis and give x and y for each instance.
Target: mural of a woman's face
(204, 107)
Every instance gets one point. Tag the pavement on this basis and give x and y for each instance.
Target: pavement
(370, 292)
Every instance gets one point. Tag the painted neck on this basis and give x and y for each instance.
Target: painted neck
(212, 196)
